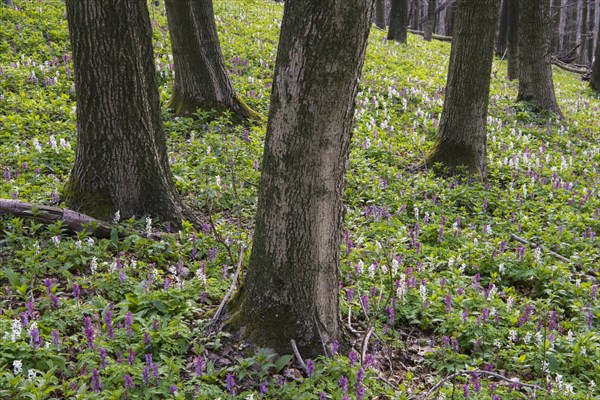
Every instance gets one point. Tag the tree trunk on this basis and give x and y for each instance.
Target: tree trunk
(449, 20)
(595, 78)
(121, 156)
(583, 33)
(555, 13)
(502, 29)
(512, 42)
(591, 27)
(380, 17)
(398, 21)
(291, 288)
(201, 77)
(430, 25)
(416, 15)
(462, 136)
(535, 68)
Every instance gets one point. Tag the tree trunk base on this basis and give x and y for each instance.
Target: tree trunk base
(241, 112)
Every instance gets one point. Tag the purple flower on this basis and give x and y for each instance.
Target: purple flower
(49, 283)
(76, 291)
(128, 381)
(96, 384)
(130, 356)
(55, 337)
(230, 382)
(310, 367)
(360, 393)
(199, 365)
(212, 254)
(128, 323)
(322, 396)
(353, 357)
(155, 325)
(147, 339)
(102, 352)
(475, 382)
(343, 383)
(54, 301)
(34, 338)
(365, 302)
(110, 332)
(334, 347)
(360, 376)
(448, 302)
(173, 389)
(89, 331)
(466, 390)
(146, 375)
(30, 308)
(350, 294)
(264, 388)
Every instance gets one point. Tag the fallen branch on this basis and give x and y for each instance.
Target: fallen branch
(571, 68)
(217, 315)
(514, 381)
(365, 345)
(298, 356)
(74, 222)
(536, 246)
(434, 36)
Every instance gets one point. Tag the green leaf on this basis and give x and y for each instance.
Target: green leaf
(160, 306)
(553, 363)
(282, 362)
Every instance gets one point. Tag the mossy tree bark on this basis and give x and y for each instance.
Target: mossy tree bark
(121, 156)
(380, 14)
(462, 136)
(398, 21)
(291, 287)
(535, 69)
(201, 77)
(512, 39)
(595, 78)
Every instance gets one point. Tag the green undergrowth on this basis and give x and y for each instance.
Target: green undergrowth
(432, 265)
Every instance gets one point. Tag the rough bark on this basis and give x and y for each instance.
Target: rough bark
(595, 78)
(121, 156)
(430, 24)
(416, 14)
(591, 27)
(462, 136)
(291, 287)
(502, 29)
(201, 77)
(583, 33)
(535, 69)
(512, 41)
(398, 21)
(380, 17)
(555, 14)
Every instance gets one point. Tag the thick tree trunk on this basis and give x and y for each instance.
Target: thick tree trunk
(291, 288)
(121, 156)
(535, 68)
(201, 77)
(595, 78)
(462, 136)
(512, 42)
(380, 17)
(502, 29)
(430, 25)
(398, 21)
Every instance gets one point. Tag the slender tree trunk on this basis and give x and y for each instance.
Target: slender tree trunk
(512, 42)
(416, 14)
(591, 29)
(449, 21)
(291, 288)
(121, 156)
(595, 78)
(502, 29)
(583, 33)
(535, 69)
(462, 136)
(201, 78)
(430, 25)
(398, 21)
(380, 17)
(555, 13)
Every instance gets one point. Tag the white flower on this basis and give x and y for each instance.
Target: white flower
(93, 265)
(361, 267)
(372, 270)
(570, 337)
(31, 374)
(501, 269)
(36, 145)
(423, 292)
(78, 244)
(510, 303)
(16, 328)
(117, 217)
(148, 225)
(527, 338)
(395, 266)
(497, 343)
(539, 338)
(53, 144)
(512, 335)
(17, 367)
(90, 241)
(56, 240)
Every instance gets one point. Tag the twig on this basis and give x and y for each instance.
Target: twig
(298, 356)
(218, 236)
(535, 246)
(217, 315)
(365, 345)
(479, 372)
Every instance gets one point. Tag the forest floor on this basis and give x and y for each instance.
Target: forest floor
(451, 287)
